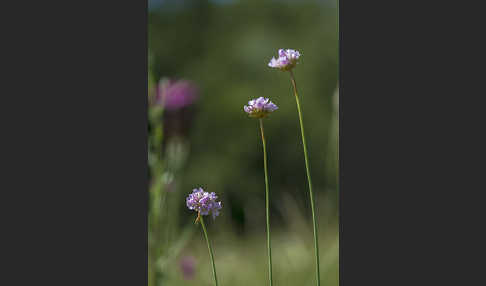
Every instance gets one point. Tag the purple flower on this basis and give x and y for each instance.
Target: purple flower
(187, 265)
(203, 202)
(287, 59)
(260, 107)
(174, 95)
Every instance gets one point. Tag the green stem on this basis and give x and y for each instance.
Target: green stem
(201, 220)
(269, 249)
(304, 144)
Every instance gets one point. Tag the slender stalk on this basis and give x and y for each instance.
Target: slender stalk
(269, 249)
(304, 144)
(201, 220)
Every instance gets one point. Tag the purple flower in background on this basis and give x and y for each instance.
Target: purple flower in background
(187, 265)
(203, 202)
(287, 59)
(174, 95)
(260, 107)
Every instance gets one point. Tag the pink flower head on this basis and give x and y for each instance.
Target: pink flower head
(203, 202)
(187, 265)
(175, 94)
(260, 107)
(287, 59)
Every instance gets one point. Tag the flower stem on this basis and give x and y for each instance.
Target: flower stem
(201, 220)
(316, 244)
(269, 249)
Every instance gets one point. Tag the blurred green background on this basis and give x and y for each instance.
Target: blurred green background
(224, 47)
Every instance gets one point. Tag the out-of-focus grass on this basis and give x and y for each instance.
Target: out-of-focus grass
(241, 260)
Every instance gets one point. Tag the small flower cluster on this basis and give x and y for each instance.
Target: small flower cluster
(203, 202)
(287, 59)
(260, 107)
